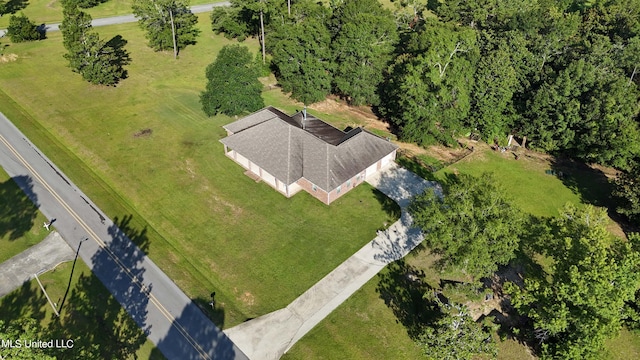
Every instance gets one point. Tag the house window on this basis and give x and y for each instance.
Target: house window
(338, 190)
(314, 187)
(348, 183)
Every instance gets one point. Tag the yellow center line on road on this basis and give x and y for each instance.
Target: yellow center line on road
(101, 243)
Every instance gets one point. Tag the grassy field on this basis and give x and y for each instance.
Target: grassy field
(20, 220)
(50, 11)
(90, 316)
(365, 327)
(210, 227)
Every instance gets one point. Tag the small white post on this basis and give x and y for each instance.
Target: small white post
(47, 295)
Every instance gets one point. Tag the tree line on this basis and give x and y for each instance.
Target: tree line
(562, 73)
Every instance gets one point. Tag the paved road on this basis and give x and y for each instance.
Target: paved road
(170, 319)
(270, 336)
(43, 256)
(123, 19)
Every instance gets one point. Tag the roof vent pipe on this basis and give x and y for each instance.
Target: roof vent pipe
(304, 116)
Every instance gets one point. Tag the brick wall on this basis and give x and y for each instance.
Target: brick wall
(318, 193)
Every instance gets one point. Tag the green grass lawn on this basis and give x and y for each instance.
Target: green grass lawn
(524, 181)
(210, 227)
(90, 316)
(50, 11)
(20, 220)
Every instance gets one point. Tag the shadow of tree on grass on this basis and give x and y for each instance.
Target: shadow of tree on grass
(390, 207)
(13, 6)
(403, 289)
(106, 312)
(18, 207)
(591, 184)
(27, 301)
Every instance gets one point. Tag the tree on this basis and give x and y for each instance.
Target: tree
(364, 36)
(302, 59)
(473, 227)
(247, 18)
(229, 21)
(169, 24)
(24, 330)
(98, 62)
(22, 29)
(86, 4)
(580, 301)
(427, 91)
(627, 193)
(456, 336)
(233, 87)
(588, 113)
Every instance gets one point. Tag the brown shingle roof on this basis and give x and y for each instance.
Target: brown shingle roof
(320, 153)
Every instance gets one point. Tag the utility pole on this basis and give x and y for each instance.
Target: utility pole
(173, 35)
(264, 56)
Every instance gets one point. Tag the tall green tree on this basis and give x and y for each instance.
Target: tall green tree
(248, 18)
(364, 37)
(427, 91)
(627, 193)
(169, 24)
(233, 87)
(98, 62)
(301, 53)
(456, 336)
(26, 330)
(588, 113)
(22, 29)
(472, 227)
(500, 75)
(580, 301)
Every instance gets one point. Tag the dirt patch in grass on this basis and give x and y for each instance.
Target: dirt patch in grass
(143, 133)
(8, 58)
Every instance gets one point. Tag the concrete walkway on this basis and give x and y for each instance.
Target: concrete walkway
(270, 336)
(41, 257)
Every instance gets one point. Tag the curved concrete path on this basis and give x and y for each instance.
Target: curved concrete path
(41, 257)
(270, 336)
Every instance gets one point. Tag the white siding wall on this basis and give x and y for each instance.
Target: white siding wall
(242, 160)
(294, 188)
(282, 187)
(371, 170)
(254, 168)
(268, 178)
(386, 160)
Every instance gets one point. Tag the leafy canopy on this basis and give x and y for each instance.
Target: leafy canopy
(22, 29)
(580, 302)
(364, 37)
(301, 53)
(233, 87)
(99, 62)
(156, 18)
(473, 227)
(456, 336)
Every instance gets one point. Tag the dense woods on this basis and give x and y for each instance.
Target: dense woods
(561, 73)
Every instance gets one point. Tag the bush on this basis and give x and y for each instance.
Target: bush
(22, 29)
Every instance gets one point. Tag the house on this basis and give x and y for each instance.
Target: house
(302, 152)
